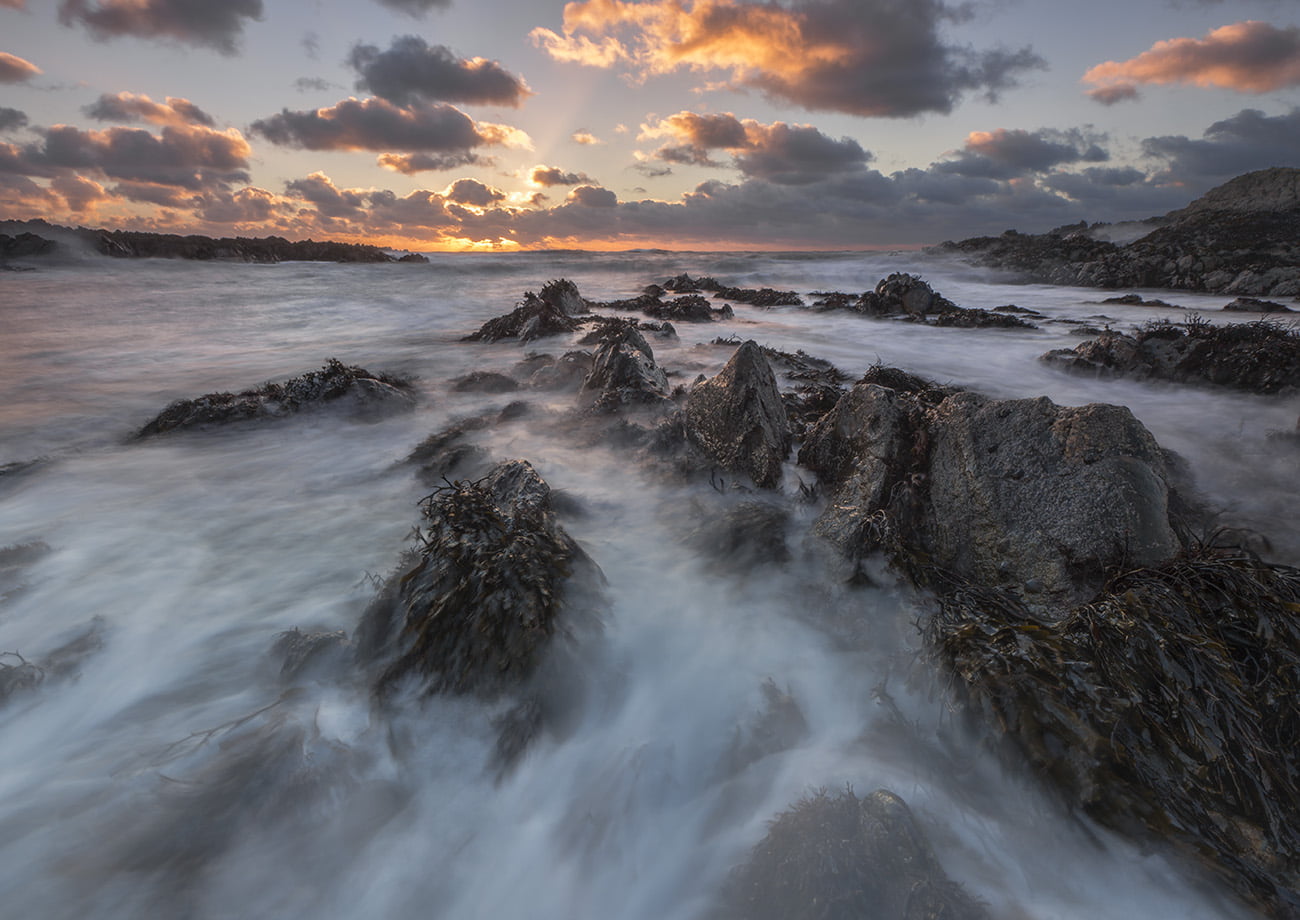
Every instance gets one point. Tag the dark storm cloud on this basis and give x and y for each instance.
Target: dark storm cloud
(413, 70)
(416, 7)
(1247, 141)
(864, 57)
(14, 69)
(12, 119)
(591, 196)
(128, 107)
(213, 23)
(373, 124)
(1114, 93)
(1003, 154)
(411, 163)
(549, 176)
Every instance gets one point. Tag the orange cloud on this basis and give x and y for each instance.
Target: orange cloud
(14, 69)
(1249, 57)
(865, 57)
(133, 107)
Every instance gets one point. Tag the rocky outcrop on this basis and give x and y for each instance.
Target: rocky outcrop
(1039, 499)
(737, 418)
(624, 373)
(909, 297)
(838, 857)
(1261, 357)
(492, 583)
(1255, 305)
(24, 245)
(760, 297)
(367, 395)
(534, 318)
(1240, 238)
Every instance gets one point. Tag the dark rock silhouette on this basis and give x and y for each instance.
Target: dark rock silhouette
(536, 316)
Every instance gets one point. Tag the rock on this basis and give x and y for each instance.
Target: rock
(844, 858)
(565, 373)
(562, 294)
(691, 308)
(1255, 305)
(492, 583)
(685, 284)
(1261, 357)
(414, 258)
(970, 318)
(1038, 498)
(534, 318)
(1136, 300)
(738, 420)
(1155, 708)
(311, 655)
(484, 382)
(24, 245)
(762, 297)
(367, 395)
(624, 373)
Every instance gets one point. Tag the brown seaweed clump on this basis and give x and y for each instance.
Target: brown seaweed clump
(1165, 707)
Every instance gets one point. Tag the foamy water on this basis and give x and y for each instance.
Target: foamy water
(174, 777)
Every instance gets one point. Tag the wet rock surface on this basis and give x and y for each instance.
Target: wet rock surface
(738, 420)
(365, 394)
(838, 857)
(534, 318)
(1261, 357)
(624, 373)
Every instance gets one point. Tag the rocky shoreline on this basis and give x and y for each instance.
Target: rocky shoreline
(1241, 238)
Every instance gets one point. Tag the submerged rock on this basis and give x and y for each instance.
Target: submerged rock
(1262, 357)
(838, 857)
(484, 382)
(738, 420)
(368, 395)
(485, 594)
(746, 535)
(779, 726)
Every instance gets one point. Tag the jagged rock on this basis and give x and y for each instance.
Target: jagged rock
(624, 373)
(484, 382)
(492, 583)
(1025, 494)
(1156, 709)
(534, 318)
(838, 857)
(738, 420)
(691, 308)
(1261, 357)
(562, 294)
(1255, 305)
(904, 294)
(368, 395)
(685, 284)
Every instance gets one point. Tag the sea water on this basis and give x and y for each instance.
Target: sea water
(175, 776)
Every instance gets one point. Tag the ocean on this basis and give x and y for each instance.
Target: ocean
(173, 775)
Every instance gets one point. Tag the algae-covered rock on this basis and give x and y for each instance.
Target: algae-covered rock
(737, 418)
(534, 318)
(624, 372)
(367, 395)
(838, 857)
(1166, 707)
(485, 592)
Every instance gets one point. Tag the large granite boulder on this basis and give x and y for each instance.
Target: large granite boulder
(492, 583)
(365, 394)
(1024, 494)
(738, 420)
(838, 857)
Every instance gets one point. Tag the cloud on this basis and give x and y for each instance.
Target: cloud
(1114, 93)
(14, 69)
(1004, 154)
(864, 57)
(550, 176)
(778, 152)
(128, 107)
(12, 119)
(473, 192)
(416, 7)
(14, 4)
(1247, 141)
(189, 157)
(592, 196)
(249, 205)
(1249, 57)
(586, 138)
(412, 70)
(79, 192)
(376, 124)
(329, 199)
(411, 163)
(312, 85)
(217, 25)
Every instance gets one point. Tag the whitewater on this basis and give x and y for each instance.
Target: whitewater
(174, 775)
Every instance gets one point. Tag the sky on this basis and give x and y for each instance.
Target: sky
(624, 124)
